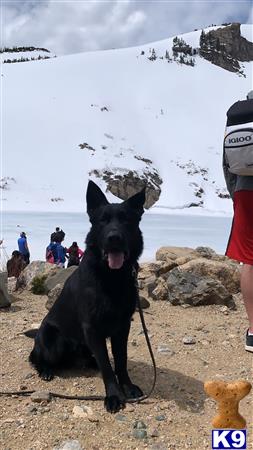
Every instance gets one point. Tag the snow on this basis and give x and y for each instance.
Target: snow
(247, 32)
(166, 112)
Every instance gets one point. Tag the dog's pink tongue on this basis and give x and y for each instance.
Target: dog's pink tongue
(115, 260)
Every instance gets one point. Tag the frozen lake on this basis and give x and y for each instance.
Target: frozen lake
(158, 230)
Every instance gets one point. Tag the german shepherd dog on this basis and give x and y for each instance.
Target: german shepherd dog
(98, 300)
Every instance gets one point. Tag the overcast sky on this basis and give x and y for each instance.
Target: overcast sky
(74, 26)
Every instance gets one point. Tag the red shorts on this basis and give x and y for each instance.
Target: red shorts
(240, 244)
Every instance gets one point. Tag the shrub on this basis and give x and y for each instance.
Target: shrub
(38, 285)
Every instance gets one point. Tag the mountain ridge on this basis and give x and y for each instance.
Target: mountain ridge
(118, 112)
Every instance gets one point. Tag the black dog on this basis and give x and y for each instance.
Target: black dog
(98, 300)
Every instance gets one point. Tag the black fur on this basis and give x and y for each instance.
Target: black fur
(98, 300)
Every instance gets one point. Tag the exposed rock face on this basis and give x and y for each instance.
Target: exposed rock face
(184, 275)
(128, 183)
(227, 273)
(225, 47)
(195, 290)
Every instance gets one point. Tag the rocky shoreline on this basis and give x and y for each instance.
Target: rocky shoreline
(180, 275)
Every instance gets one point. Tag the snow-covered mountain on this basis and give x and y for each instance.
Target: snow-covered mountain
(151, 114)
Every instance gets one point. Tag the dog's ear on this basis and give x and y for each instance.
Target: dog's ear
(137, 201)
(94, 197)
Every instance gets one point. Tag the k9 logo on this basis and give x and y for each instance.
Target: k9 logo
(229, 439)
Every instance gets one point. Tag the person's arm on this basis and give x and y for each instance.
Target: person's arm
(230, 178)
(80, 253)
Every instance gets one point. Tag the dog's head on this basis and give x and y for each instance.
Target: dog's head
(115, 227)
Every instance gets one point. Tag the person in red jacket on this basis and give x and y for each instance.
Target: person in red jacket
(74, 253)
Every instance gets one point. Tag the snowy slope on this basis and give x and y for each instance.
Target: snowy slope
(123, 106)
(28, 53)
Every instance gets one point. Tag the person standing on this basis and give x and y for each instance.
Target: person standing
(51, 253)
(58, 235)
(61, 254)
(23, 247)
(74, 253)
(15, 265)
(239, 180)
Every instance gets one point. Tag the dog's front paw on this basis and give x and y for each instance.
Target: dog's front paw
(131, 391)
(46, 374)
(113, 403)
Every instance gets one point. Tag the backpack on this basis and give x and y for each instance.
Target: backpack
(50, 255)
(238, 140)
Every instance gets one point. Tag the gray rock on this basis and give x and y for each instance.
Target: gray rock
(4, 297)
(173, 253)
(139, 425)
(160, 417)
(59, 277)
(12, 284)
(41, 396)
(53, 295)
(227, 272)
(121, 417)
(206, 252)
(150, 284)
(54, 284)
(196, 290)
(154, 432)
(144, 302)
(163, 348)
(160, 446)
(161, 290)
(38, 269)
(69, 445)
(31, 409)
(188, 340)
(140, 434)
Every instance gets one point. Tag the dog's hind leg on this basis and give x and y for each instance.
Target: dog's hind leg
(49, 352)
(89, 359)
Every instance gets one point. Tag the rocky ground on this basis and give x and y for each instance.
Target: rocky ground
(191, 345)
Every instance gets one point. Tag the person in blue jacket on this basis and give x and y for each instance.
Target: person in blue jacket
(23, 247)
(61, 255)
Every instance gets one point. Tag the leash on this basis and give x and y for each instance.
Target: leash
(101, 397)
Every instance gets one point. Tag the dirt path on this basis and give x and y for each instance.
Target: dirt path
(178, 414)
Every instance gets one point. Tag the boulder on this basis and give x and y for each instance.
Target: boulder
(161, 290)
(58, 278)
(196, 290)
(206, 252)
(38, 269)
(143, 302)
(172, 253)
(54, 284)
(227, 272)
(11, 284)
(150, 284)
(146, 270)
(53, 295)
(4, 297)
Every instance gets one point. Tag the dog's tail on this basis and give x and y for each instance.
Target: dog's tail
(31, 333)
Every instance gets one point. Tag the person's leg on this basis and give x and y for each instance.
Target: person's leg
(247, 291)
